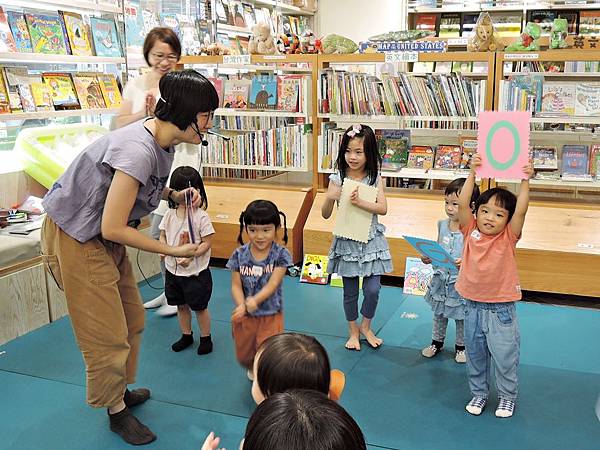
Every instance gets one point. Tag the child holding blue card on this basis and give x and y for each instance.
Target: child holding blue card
(188, 282)
(445, 302)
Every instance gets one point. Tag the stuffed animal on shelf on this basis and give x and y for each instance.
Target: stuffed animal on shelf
(558, 35)
(485, 38)
(288, 43)
(261, 41)
(528, 41)
(308, 42)
(216, 49)
(336, 44)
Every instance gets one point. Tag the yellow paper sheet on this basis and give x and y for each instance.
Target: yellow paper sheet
(352, 222)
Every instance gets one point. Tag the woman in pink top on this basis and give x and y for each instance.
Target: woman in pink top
(488, 279)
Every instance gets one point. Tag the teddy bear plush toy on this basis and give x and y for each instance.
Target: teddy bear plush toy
(261, 41)
(485, 38)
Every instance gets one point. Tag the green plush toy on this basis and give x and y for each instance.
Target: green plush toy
(528, 41)
(558, 35)
(334, 43)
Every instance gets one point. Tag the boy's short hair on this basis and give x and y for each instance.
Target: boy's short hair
(456, 186)
(292, 361)
(502, 198)
(301, 419)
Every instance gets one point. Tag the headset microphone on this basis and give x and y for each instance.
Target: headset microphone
(195, 127)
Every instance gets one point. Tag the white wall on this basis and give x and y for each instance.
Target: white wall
(360, 19)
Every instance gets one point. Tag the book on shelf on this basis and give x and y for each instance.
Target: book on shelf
(170, 20)
(218, 84)
(88, 90)
(110, 90)
(263, 92)
(236, 93)
(7, 41)
(77, 33)
(468, 146)
(105, 37)
(46, 33)
(60, 85)
(521, 93)
(594, 157)
(237, 12)
(134, 24)
(423, 67)
(19, 29)
(448, 157)
(249, 15)
(575, 163)
(393, 146)
(252, 123)
(314, 269)
(420, 157)
(149, 19)
(450, 25)
(27, 101)
(222, 12)
(42, 98)
(544, 157)
(288, 92)
(15, 76)
(587, 99)
(443, 66)
(558, 98)
(572, 20)
(589, 23)
(544, 18)
(189, 35)
(426, 22)
(468, 24)
(462, 66)
(507, 24)
(4, 98)
(223, 39)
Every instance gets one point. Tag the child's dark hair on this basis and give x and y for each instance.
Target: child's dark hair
(456, 186)
(502, 198)
(184, 94)
(262, 212)
(301, 419)
(184, 177)
(292, 361)
(373, 165)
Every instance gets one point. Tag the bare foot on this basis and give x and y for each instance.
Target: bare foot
(353, 343)
(373, 340)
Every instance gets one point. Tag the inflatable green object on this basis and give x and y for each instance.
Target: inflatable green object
(558, 35)
(528, 40)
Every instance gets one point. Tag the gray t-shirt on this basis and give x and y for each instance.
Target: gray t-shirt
(256, 274)
(76, 200)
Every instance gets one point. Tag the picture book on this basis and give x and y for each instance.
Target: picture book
(7, 41)
(77, 32)
(337, 281)
(587, 99)
(443, 66)
(27, 102)
(20, 32)
(288, 92)
(62, 90)
(46, 33)
(450, 25)
(575, 162)
(14, 77)
(468, 147)
(417, 276)
(423, 67)
(243, 42)
(544, 157)
(462, 66)
(448, 157)
(594, 156)
(558, 98)
(4, 100)
(88, 90)
(222, 10)
(589, 23)
(105, 38)
(543, 18)
(393, 147)
(420, 157)
(170, 20)
(314, 269)
(263, 93)
(426, 22)
(218, 84)
(468, 24)
(41, 96)
(190, 40)
(149, 20)
(65, 34)
(236, 93)
(249, 15)
(237, 12)
(110, 90)
(134, 24)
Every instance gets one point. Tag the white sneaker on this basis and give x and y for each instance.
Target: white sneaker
(460, 357)
(506, 408)
(430, 352)
(155, 303)
(476, 405)
(166, 310)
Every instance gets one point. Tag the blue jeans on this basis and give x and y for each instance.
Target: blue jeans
(492, 335)
(371, 287)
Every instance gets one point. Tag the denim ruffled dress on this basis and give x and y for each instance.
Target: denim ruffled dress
(350, 258)
(442, 296)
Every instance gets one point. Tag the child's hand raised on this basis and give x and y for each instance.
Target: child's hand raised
(334, 192)
(528, 170)
(475, 162)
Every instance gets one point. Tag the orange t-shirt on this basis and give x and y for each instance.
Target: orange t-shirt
(488, 272)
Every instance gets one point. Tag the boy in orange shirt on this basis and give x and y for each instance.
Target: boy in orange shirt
(488, 279)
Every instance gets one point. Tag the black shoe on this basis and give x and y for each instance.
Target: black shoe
(206, 345)
(136, 397)
(130, 428)
(183, 343)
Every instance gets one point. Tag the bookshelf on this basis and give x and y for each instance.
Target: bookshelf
(555, 128)
(424, 129)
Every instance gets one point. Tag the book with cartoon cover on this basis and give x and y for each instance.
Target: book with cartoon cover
(77, 32)
(105, 37)
(41, 96)
(4, 101)
(88, 90)
(62, 90)
(393, 146)
(314, 269)
(20, 32)
(110, 90)
(46, 33)
(7, 41)
(448, 157)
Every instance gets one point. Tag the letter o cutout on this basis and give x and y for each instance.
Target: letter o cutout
(488, 145)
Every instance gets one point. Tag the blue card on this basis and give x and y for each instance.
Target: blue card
(433, 250)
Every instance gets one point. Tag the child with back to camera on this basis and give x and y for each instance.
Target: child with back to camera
(188, 282)
(489, 281)
(445, 302)
(359, 160)
(257, 271)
